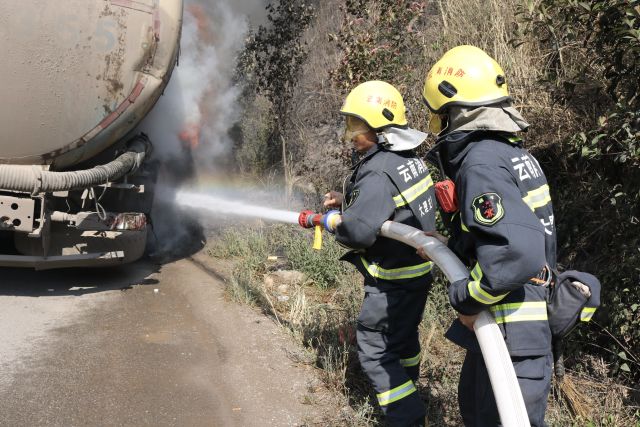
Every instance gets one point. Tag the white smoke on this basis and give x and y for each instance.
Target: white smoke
(199, 105)
(189, 126)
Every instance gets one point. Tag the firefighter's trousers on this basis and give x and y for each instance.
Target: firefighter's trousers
(389, 351)
(475, 395)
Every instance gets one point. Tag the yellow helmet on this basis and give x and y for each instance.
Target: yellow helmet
(466, 76)
(377, 103)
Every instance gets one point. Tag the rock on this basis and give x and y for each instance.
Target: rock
(268, 281)
(283, 289)
(291, 277)
(283, 279)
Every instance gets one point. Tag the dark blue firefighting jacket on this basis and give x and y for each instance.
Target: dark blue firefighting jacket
(387, 185)
(505, 232)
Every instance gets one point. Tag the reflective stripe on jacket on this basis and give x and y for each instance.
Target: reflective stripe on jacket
(383, 186)
(505, 232)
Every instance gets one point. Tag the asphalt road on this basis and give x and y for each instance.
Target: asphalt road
(142, 345)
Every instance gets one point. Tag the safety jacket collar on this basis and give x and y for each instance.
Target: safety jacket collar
(452, 147)
(369, 154)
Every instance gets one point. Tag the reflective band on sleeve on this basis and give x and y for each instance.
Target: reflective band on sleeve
(514, 139)
(520, 312)
(537, 198)
(396, 394)
(587, 313)
(415, 191)
(476, 291)
(397, 273)
(412, 361)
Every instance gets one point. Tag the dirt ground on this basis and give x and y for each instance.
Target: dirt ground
(145, 345)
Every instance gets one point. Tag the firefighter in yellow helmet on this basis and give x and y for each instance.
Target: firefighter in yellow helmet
(502, 227)
(389, 182)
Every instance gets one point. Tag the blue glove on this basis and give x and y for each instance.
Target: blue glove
(331, 220)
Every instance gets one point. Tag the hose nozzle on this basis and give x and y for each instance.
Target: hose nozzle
(310, 219)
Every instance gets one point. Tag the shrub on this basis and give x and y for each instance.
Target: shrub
(593, 50)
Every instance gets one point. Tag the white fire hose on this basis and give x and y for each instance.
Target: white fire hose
(504, 382)
(506, 389)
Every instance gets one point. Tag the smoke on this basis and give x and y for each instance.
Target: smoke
(189, 126)
(199, 104)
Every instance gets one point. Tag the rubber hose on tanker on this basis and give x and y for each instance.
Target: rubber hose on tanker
(25, 178)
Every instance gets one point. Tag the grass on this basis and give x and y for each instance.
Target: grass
(317, 310)
(320, 312)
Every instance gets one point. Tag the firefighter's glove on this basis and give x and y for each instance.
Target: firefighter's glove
(331, 220)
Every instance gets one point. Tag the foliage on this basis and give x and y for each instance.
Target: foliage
(573, 70)
(275, 53)
(594, 50)
(375, 55)
(278, 50)
(270, 65)
(253, 153)
(322, 267)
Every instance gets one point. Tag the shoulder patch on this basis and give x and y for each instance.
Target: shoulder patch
(487, 209)
(352, 198)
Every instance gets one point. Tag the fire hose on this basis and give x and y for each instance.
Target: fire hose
(504, 382)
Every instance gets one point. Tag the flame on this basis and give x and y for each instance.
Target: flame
(191, 132)
(203, 22)
(190, 135)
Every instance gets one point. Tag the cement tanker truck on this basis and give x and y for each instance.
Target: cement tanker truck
(77, 76)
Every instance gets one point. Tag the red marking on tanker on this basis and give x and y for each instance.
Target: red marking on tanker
(137, 90)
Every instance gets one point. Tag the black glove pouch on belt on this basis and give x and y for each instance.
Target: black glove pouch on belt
(565, 302)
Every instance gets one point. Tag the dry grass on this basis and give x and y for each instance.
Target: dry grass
(322, 320)
(490, 25)
(593, 399)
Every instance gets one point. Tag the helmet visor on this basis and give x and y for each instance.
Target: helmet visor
(354, 127)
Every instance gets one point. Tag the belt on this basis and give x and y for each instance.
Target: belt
(543, 278)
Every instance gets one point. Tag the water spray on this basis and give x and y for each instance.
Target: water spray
(215, 204)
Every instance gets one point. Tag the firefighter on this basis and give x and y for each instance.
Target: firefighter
(504, 228)
(387, 183)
